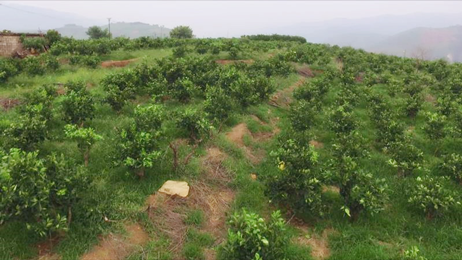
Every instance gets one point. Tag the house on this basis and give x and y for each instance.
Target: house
(10, 43)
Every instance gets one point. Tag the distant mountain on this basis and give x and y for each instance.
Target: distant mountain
(135, 30)
(21, 18)
(385, 25)
(428, 43)
(419, 34)
(131, 30)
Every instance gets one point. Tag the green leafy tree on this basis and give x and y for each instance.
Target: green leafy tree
(360, 190)
(85, 138)
(298, 183)
(432, 196)
(78, 104)
(40, 192)
(250, 237)
(196, 124)
(218, 105)
(452, 166)
(52, 36)
(434, 126)
(405, 156)
(181, 32)
(302, 115)
(138, 144)
(96, 32)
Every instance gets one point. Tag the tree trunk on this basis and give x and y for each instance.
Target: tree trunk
(175, 156)
(86, 157)
(140, 172)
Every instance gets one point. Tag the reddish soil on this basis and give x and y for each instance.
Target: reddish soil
(282, 98)
(210, 194)
(45, 249)
(9, 103)
(305, 72)
(319, 244)
(118, 247)
(116, 63)
(226, 62)
(316, 144)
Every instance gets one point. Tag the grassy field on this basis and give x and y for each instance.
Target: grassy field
(231, 167)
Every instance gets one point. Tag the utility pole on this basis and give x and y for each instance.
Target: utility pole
(161, 31)
(109, 26)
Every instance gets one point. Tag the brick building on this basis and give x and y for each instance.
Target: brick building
(10, 43)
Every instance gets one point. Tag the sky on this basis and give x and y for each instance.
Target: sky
(213, 18)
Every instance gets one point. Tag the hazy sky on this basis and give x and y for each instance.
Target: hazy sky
(212, 18)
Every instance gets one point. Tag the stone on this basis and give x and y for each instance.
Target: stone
(175, 188)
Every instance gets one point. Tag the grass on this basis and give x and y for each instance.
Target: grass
(119, 196)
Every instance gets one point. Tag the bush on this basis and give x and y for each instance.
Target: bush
(85, 138)
(298, 183)
(452, 166)
(33, 66)
(78, 104)
(250, 237)
(405, 156)
(8, 69)
(39, 192)
(196, 125)
(218, 105)
(302, 116)
(432, 196)
(434, 126)
(138, 144)
(181, 32)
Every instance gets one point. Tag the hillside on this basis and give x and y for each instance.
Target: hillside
(131, 30)
(20, 18)
(431, 43)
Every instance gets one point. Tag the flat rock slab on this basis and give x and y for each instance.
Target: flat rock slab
(178, 188)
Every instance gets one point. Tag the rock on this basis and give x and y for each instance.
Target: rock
(172, 188)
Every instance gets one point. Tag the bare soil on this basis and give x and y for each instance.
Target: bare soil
(210, 194)
(319, 244)
(118, 247)
(9, 103)
(282, 98)
(117, 63)
(226, 62)
(316, 144)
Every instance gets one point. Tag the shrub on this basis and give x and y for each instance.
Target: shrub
(33, 66)
(342, 120)
(85, 138)
(405, 156)
(298, 183)
(181, 32)
(78, 104)
(432, 196)
(52, 36)
(138, 144)
(8, 69)
(250, 237)
(360, 190)
(218, 105)
(179, 51)
(434, 126)
(196, 124)
(302, 116)
(452, 166)
(37, 191)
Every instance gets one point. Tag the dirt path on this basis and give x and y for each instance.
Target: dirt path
(209, 194)
(117, 63)
(319, 244)
(283, 97)
(118, 247)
